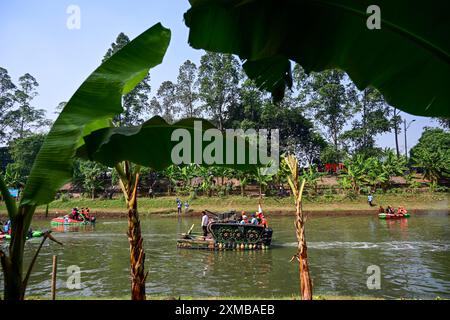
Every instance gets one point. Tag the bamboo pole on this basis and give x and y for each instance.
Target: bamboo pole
(54, 269)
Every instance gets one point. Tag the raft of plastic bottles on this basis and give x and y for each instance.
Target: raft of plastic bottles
(221, 246)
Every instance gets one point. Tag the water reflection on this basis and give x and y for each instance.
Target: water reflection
(73, 228)
(413, 256)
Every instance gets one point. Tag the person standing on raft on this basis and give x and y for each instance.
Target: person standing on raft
(205, 221)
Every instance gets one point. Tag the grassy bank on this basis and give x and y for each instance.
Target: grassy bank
(330, 204)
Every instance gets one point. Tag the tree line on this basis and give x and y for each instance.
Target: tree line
(324, 119)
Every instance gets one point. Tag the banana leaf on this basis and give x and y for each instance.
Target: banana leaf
(92, 107)
(151, 145)
(407, 60)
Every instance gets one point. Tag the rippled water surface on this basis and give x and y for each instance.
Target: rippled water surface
(413, 254)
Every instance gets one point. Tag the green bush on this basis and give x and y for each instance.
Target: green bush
(395, 191)
(64, 197)
(442, 189)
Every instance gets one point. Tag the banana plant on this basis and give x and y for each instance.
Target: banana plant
(344, 34)
(355, 171)
(373, 173)
(91, 107)
(263, 180)
(312, 176)
(297, 185)
(244, 180)
(186, 174)
(172, 175)
(208, 183)
(12, 177)
(392, 166)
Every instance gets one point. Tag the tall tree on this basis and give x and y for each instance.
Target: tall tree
(432, 154)
(219, 85)
(329, 103)
(187, 89)
(23, 118)
(23, 151)
(247, 113)
(6, 101)
(136, 103)
(396, 121)
(165, 102)
(374, 119)
(444, 122)
(60, 107)
(295, 131)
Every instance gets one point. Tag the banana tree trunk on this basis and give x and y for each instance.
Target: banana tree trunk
(137, 254)
(129, 182)
(12, 272)
(302, 255)
(12, 265)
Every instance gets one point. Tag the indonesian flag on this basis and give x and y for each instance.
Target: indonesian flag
(260, 208)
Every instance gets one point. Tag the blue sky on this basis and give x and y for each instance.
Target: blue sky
(35, 39)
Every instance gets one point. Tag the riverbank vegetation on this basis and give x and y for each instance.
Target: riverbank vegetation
(325, 121)
(324, 203)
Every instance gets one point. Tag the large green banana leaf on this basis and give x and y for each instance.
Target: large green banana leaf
(407, 60)
(151, 145)
(92, 106)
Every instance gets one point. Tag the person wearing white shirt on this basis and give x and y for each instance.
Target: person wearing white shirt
(205, 221)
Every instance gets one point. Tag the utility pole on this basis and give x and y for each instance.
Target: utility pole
(405, 127)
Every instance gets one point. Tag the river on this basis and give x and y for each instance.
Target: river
(413, 256)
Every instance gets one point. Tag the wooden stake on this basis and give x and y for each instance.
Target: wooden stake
(54, 269)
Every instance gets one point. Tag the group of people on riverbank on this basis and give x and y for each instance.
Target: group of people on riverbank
(180, 206)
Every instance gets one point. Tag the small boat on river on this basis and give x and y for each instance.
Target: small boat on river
(390, 213)
(393, 215)
(31, 235)
(71, 222)
(225, 233)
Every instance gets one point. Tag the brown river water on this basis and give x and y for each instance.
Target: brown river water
(413, 256)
